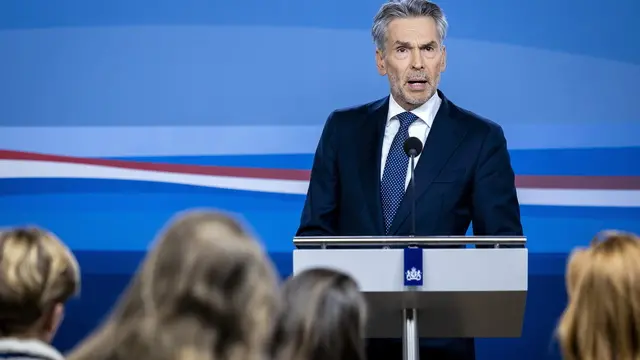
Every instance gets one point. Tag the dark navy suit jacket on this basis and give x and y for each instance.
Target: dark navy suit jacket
(464, 176)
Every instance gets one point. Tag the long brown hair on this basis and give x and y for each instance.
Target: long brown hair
(205, 291)
(323, 318)
(602, 318)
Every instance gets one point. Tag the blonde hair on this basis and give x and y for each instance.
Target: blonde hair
(37, 271)
(602, 318)
(205, 291)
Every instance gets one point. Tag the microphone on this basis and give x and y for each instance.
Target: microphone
(413, 147)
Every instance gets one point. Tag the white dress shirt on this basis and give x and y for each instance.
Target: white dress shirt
(420, 128)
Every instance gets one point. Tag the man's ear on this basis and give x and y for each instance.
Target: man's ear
(443, 61)
(380, 62)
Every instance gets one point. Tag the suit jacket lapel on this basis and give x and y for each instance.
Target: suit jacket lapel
(444, 137)
(373, 132)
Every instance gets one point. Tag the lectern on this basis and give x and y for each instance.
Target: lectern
(458, 286)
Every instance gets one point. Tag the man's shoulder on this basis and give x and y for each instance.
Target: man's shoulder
(348, 121)
(359, 111)
(474, 121)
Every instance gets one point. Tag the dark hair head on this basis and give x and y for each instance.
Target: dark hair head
(323, 318)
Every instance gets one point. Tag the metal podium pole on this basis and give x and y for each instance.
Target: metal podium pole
(410, 338)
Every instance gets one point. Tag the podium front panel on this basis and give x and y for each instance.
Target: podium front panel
(382, 270)
(465, 292)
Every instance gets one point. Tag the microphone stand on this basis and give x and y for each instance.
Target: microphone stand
(413, 194)
(411, 347)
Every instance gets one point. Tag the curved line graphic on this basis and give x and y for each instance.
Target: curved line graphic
(48, 170)
(259, 173)
(522, 181)
(21, 168)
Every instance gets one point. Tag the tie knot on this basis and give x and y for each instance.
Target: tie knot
(406, 119)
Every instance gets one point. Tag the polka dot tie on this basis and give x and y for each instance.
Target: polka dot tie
(395, 171)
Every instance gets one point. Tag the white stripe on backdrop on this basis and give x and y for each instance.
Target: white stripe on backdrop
(527, 196)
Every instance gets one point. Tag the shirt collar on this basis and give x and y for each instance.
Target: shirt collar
(425, 112)
(30, 348)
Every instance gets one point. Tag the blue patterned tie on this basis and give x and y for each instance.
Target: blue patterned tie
(395, 171)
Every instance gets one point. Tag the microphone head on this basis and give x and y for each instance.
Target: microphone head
(413, 146)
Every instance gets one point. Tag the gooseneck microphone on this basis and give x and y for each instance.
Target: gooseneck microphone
(413, 147)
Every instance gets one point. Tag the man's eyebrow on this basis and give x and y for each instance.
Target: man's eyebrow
(402, 43)
(398, 43)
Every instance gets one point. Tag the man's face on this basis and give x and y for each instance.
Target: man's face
(412, 60)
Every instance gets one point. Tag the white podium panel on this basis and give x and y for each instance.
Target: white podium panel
(444, 269)
(466, 292)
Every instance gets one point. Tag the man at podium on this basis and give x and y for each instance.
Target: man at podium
(361, 170)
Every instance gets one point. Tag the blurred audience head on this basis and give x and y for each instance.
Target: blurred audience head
(602, 318)
(205, 291)
(323, 318)
(38, 274)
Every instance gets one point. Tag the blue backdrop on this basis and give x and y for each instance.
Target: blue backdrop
(116, 114)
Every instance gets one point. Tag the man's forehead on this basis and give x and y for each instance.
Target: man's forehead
(422, 29)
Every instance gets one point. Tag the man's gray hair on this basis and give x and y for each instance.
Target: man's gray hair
(399, 9)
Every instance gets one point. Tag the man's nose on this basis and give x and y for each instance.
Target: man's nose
(417, 62)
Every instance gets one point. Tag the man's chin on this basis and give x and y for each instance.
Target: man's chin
(418, 98)
(417, 101)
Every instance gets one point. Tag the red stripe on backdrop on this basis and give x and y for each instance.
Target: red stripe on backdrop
(579, 182)
(522, 181)
(280, 174)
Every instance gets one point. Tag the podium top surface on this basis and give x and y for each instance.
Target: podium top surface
(401, 241)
